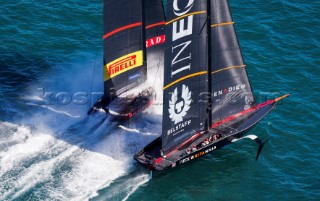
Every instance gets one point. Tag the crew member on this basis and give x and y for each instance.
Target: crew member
(188, 151)
(194, 148)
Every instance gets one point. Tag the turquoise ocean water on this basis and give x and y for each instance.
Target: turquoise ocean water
(50, 149)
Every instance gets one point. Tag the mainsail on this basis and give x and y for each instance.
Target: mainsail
(124, 47)
(133, 42)
(186, 72)
(205, 78)
(207, 98)
(230, 87)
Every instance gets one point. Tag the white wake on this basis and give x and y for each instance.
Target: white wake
(59, 153)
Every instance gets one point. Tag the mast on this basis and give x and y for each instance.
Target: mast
(209, 63)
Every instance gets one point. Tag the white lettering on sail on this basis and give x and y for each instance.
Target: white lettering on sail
(181, 54)
(180, 31)
(229, 90)
(175, 59)
(179, 12)
(181, 69)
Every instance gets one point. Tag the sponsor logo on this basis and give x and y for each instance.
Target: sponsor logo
(177, 11)
(181, 54)
(179, 106)
(229, 90)
(201, 153)
(178, 128)
(123, 64)
(182, 28)
(155, 41)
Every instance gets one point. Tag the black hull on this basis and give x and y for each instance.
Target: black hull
(182, 157)
(124, 108)
(211, 147)
(152, 158)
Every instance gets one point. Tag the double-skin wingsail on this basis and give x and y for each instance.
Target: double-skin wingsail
(186, 72)
(124, 47)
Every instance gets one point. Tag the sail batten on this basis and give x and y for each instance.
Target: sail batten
(222, 24)
(184, 78)
(227, 68)
(186, 15)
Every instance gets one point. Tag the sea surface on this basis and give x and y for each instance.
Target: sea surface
(50, 51)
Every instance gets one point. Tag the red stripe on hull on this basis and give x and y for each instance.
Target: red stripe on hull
(241, 113)
(217, 124)
(186, 142)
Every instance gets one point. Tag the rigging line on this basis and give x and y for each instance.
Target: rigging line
(158, 68)
(204, 25)
(154, 82)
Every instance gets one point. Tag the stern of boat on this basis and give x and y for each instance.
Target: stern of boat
(150, 157)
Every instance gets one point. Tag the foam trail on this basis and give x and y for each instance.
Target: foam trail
(37, 99)
(30, 160)
(90, 170)
(55, 110)
(22, 151)
(134, 130)
(95, 161)
(58, 153)
(38, 173)
(136, 183)
(123, 187)
(11, 134)
(94, 171)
